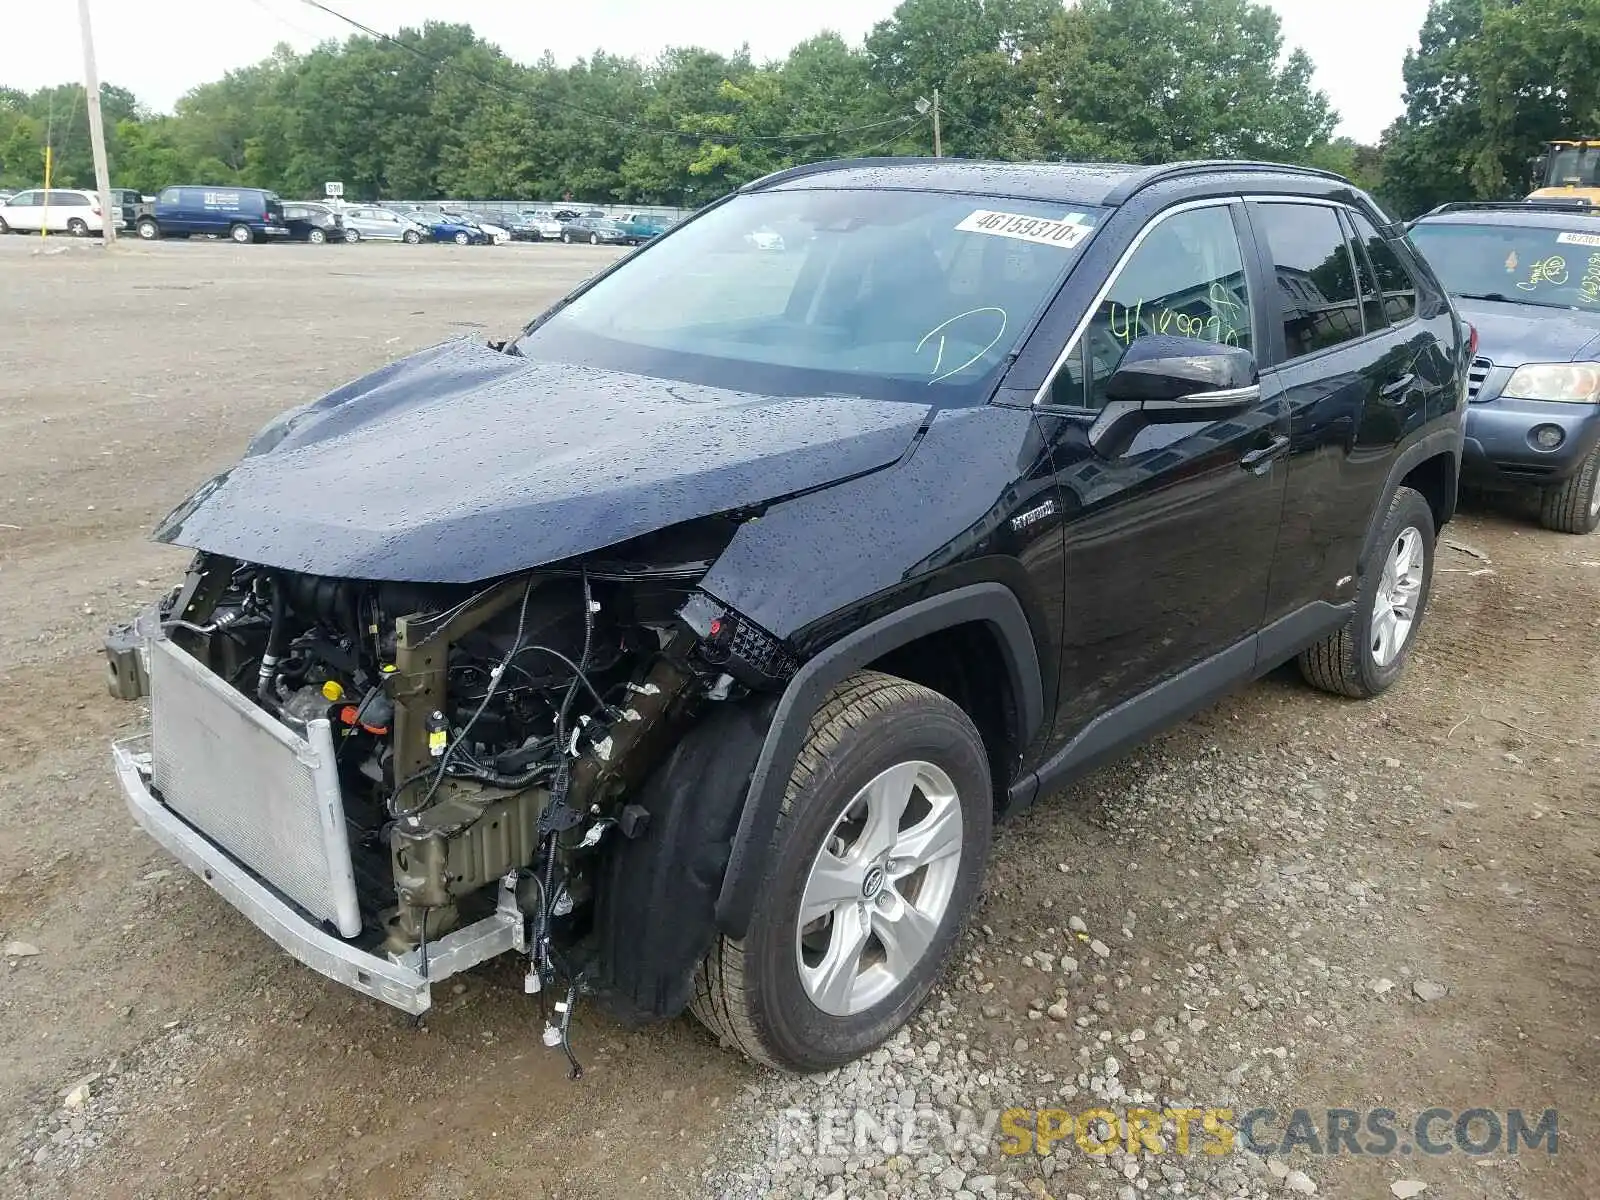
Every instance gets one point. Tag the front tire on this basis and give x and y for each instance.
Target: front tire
(352, 236)
(1365, 657)
(412, 237)
(148, 230)
(463, 238)
(1573, 505)
(875, 864)
(566, 238)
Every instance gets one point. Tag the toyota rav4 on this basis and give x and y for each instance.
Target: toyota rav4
(688, 644)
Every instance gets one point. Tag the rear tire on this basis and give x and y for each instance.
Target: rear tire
(594, 239)
(78, 227)
(1573, 505)
(4, 228)
(1350, 662)
(241, 234)
(763, 994)
(316, 237)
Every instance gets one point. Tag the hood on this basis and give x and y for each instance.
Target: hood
(1512, 334)
(460, 464)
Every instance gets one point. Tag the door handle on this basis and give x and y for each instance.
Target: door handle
(1396, 389)
(1258, 461)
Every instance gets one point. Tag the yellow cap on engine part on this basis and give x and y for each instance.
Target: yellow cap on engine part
(332, 692)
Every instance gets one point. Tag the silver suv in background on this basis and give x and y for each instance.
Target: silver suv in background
(381, 225)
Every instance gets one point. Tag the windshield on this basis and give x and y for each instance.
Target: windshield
(1557, 268)
(1574, 166)
(863, 293)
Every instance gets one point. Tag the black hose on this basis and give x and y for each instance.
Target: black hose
(274, 651)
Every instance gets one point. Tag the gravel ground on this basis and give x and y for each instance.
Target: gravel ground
(1288, 902)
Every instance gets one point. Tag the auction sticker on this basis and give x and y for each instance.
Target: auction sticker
(1579, 239)
(1067, 232)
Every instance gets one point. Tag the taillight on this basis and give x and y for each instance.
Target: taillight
(95, 209)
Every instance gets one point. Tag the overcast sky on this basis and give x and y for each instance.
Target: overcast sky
(1358, 45)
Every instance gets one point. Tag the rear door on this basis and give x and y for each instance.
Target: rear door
(1169, 543)
(1357, 372)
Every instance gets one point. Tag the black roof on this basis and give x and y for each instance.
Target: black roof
(1097, 184)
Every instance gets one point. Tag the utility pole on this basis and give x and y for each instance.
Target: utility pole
(938, 146)
(97, 133)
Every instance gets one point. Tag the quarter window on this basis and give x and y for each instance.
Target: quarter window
(1316, 276)
(1186, 279)
(1398, 287)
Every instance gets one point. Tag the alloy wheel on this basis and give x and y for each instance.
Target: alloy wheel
(1394, 608)
(879, 888)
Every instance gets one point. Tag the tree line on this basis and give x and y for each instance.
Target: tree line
(441, 111)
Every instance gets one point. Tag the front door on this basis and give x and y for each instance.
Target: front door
(1168, 543)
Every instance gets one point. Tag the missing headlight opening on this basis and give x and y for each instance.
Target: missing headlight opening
(486, 738)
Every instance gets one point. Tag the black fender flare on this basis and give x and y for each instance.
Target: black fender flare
(1429, 445)
(993, 604)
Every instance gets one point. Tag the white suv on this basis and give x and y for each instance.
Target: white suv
(60, 210)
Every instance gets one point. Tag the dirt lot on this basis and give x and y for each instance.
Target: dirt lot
(1259, 874)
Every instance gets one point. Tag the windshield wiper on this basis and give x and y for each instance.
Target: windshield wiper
(1502, 298)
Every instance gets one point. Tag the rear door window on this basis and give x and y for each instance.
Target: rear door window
(1399, 289)
(1316, 276)
(23, 200)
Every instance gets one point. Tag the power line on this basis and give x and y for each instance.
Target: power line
(650, 131)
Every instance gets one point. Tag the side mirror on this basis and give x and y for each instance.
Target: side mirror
(1168, 380)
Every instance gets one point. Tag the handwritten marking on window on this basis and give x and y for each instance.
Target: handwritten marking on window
(1547, 270)
(1590, 287)
(1227, 321)
(939, 331)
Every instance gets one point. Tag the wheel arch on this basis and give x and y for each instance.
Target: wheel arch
(977, 618)
(1431, 465)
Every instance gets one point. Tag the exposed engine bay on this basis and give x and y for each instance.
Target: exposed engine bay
(488, 738)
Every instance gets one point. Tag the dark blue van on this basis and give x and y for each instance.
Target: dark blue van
(243, 214)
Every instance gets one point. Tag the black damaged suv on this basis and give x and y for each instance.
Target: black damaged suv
(688, 644)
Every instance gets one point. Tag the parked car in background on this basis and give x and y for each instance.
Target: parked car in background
(314, 223)
(1527, 275)
(490, 225)
(60, 210)
(596, 231)
(443, 227)
(130, 205)
(243, 214)
(382, 225)
(535, 226)
(641, 227)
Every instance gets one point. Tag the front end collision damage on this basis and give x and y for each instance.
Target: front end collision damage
(652, 838)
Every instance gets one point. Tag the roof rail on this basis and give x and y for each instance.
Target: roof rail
(1130, 187)
(1552, 204)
